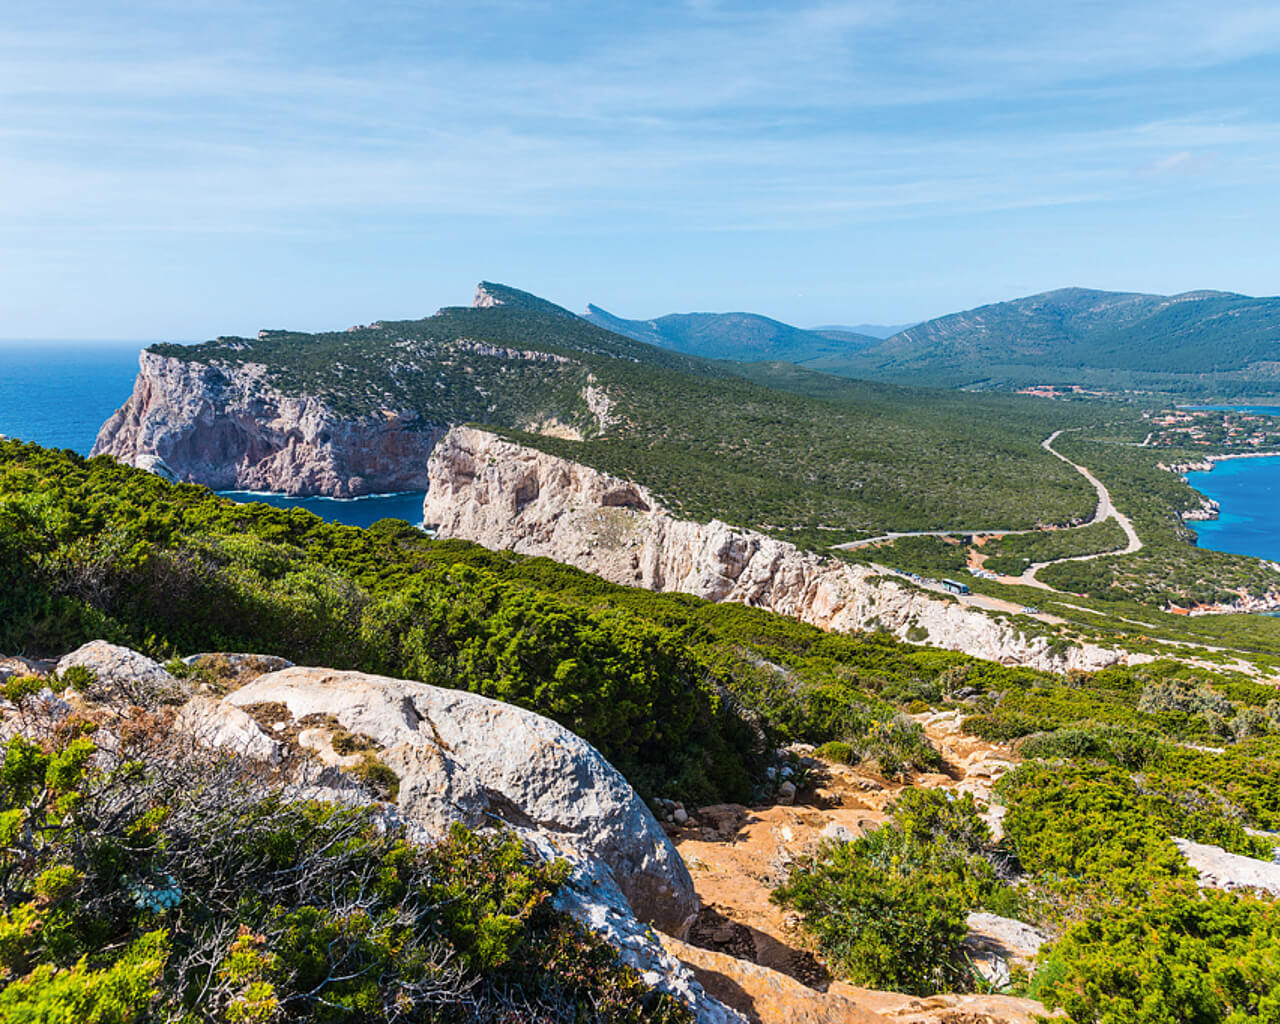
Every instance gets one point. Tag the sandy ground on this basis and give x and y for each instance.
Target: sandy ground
(738, 855)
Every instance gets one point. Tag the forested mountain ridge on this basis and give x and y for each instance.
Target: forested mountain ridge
(1198, 342)
(783, 451)
(747, 337)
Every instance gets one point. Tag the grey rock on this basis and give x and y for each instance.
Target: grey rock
(840, 833)
(461, 757)
(1218, 869)
(787, 794)
(234, 660)
(125, 676)
(214, 723)
(995, 944)
(16, 666)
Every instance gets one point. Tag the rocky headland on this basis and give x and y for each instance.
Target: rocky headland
(227, 426)
(504, 495)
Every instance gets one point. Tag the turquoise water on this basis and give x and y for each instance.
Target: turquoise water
(1248, 491)
(58, 393)
(1265, 410)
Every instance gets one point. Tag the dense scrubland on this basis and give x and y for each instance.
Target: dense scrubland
(686, 697)
(784, 451)
(1199, 344)
(1114, 765)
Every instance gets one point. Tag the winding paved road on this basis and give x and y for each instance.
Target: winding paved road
(1105, 510)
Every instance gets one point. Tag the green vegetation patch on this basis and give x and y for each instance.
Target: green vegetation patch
(1139, 941)
(202, 896)
(888, 909)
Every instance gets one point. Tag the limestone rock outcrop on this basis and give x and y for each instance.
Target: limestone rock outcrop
(508, 496)
(124, 675)
(226, 426)
(1218, 869)
(462, 757)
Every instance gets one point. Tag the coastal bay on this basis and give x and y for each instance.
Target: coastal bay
(1247, 491)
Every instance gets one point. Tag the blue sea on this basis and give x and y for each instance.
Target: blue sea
(1248, 491)
(1266, 410)
(58, 393)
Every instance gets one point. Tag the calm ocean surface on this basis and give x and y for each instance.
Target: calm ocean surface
(1249, 492)
(58, 394)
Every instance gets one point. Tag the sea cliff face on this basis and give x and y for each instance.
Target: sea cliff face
(226, 426)
(507, 496)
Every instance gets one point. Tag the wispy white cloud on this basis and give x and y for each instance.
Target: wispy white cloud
(235, 118)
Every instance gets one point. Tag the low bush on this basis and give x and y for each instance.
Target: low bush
(1114, 744)
(888, 909)
(837, 751)
(1184, 955)
(136, 889)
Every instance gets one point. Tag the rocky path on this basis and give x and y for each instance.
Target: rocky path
(752, 954)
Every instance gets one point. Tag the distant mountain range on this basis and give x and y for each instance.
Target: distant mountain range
(746, 337)
(1203, 343)
(868, 330)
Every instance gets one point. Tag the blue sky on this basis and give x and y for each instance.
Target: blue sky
(184, 169)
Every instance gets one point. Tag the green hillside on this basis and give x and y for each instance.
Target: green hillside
(687, 698)
(1197, 343)
(741, 336)
(785, 450)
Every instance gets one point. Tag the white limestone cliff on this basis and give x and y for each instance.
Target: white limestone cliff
(508, 496)
(226, 426)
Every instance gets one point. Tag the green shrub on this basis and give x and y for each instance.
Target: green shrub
(384, 782)
(838, 751)
(18, 688)
(1115, 744)
(78, 677)
(1086, 830)
(1183, 695)
(1204, 957)
(888, 909)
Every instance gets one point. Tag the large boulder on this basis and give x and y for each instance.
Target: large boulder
(462, 757)
(124, 676)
